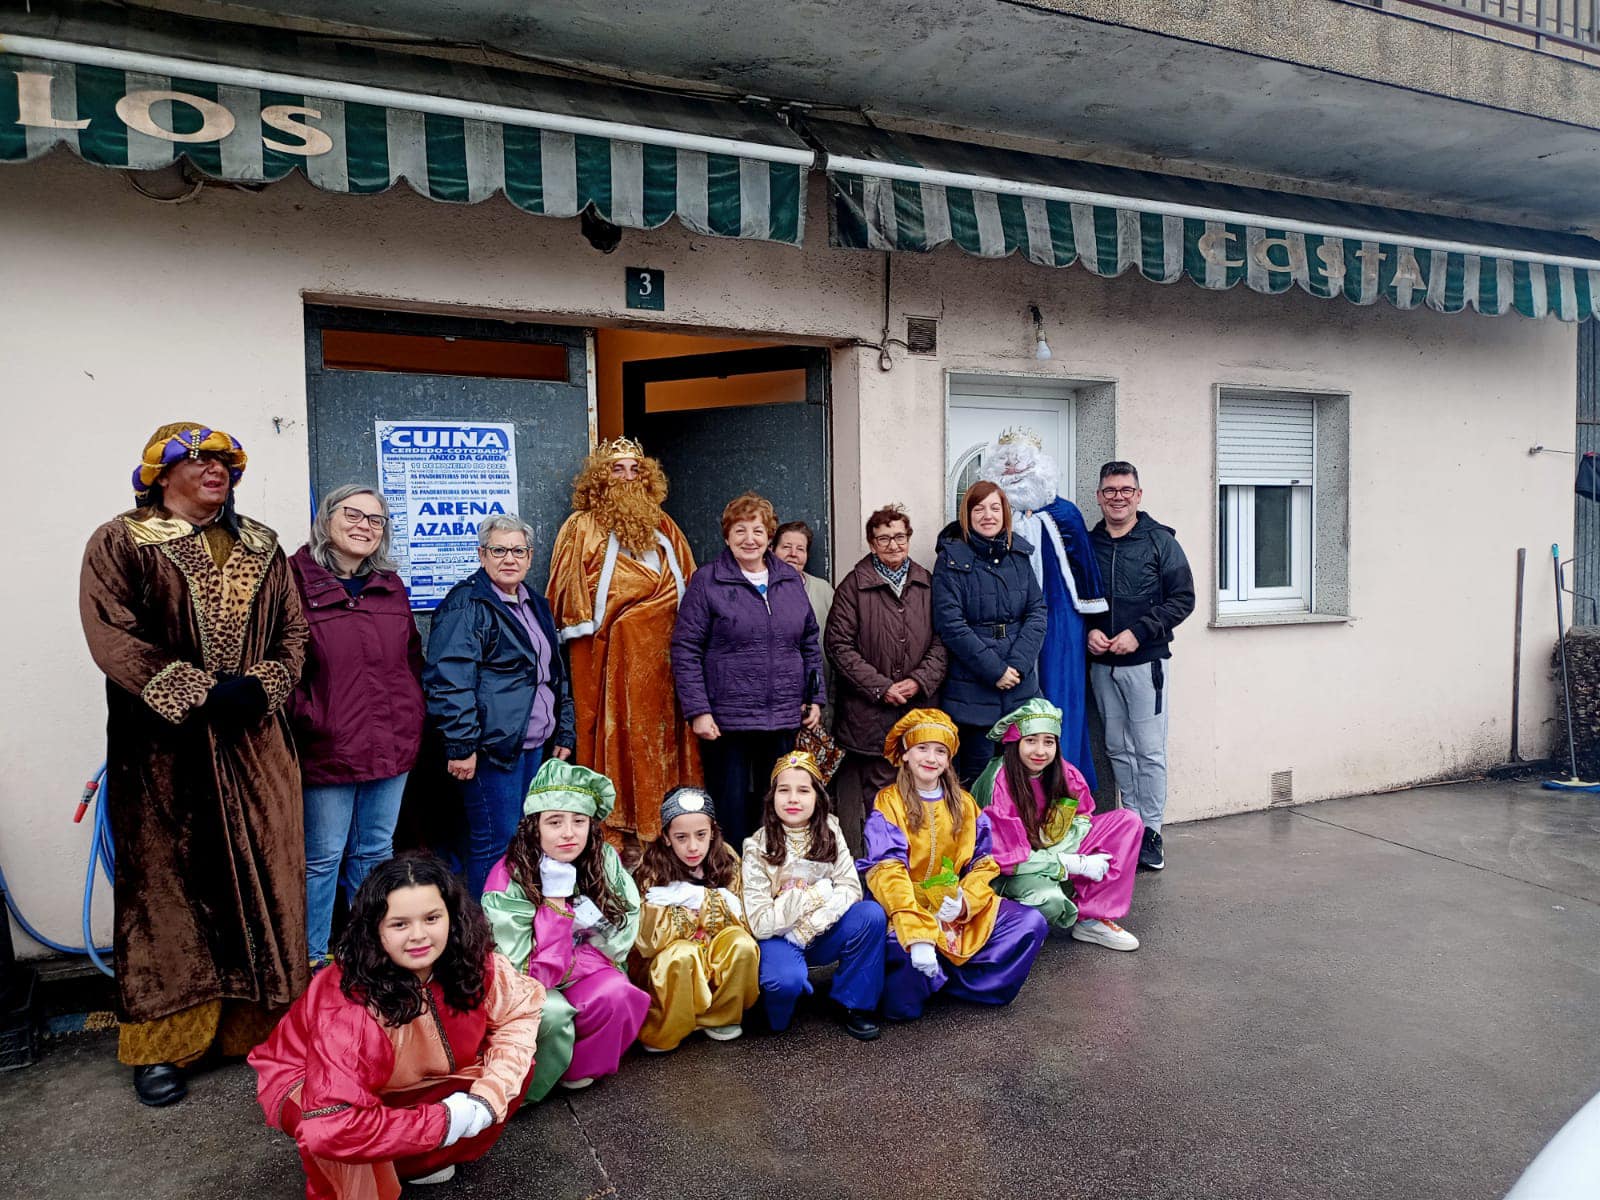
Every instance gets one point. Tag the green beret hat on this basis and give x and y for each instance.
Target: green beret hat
(566, 787)
(1036, 716)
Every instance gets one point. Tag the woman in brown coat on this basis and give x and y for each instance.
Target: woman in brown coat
(885, 657)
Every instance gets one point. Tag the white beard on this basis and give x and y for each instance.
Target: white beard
(1029, 477)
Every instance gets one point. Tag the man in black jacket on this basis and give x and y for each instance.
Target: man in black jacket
(1149, 590)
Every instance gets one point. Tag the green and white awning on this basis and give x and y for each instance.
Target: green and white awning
(892, 191)
(361, 123)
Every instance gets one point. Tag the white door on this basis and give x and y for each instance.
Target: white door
(981, 407)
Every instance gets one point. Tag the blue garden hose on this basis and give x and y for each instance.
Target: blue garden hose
(102, 854)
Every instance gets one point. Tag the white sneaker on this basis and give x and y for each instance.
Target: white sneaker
(1104, 933)
(576, 1084)
(648, 1049)
(724, 1033)
(442, 1175)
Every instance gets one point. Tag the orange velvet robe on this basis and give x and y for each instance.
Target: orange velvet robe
(619, 640)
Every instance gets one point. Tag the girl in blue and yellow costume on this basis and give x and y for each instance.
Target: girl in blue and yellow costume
(928, 862)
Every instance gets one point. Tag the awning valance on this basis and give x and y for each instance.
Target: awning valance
(250, 106)
(894, 191)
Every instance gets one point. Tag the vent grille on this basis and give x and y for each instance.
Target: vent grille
(1283, 787)
(922, 335)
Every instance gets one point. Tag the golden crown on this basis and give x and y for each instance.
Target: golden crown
(622, 447)
(1016, 435)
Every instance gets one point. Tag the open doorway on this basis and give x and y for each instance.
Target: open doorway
(724, 416)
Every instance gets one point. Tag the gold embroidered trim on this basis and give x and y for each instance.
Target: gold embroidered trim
(176, 690)
(323, 1112)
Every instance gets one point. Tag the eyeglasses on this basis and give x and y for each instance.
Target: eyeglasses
(1121, 493)
(517, 552)
(892, 539)
(355, 516)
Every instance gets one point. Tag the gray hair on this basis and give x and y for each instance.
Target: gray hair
(504, 523)
(322, 537)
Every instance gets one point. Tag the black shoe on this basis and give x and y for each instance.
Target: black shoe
(1151, 857)
(860, 1025)
(158, 1084)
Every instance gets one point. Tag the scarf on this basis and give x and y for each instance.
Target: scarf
(895, 579)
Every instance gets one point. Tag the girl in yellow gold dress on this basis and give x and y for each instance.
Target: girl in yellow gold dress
(694, 954)
(929, 862)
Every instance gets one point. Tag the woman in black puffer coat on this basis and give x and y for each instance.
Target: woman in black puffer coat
(989, 612)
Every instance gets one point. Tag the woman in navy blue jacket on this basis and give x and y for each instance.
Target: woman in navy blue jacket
(747, 662)
(989, 612)
(497, 689)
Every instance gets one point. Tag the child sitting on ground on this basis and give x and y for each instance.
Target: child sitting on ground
(802, 900)
(564, 911)
(693, 955)
(1045, 831)
(928, 863)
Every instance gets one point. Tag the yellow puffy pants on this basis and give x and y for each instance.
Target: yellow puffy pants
(701, 985)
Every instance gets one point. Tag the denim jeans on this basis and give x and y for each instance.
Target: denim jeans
(493, 799)
(352, 823)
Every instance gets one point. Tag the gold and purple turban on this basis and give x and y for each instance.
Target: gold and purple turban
(180, 440)
(920, 725)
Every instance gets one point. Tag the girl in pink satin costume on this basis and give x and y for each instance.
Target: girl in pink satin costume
(1046, 831)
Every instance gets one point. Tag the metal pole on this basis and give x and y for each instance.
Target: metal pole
(1516, 660)
(1566, 686)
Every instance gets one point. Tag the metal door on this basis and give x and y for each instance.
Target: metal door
(551, 417)
(712, 455)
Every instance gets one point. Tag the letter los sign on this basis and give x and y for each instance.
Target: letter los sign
(149, 111)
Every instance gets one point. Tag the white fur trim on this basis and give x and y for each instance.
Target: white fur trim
(672, 562)
(572, 633)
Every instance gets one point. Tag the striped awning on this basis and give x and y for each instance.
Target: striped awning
(891, 191)
(249, 106)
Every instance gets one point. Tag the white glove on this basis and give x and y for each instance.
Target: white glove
(674, 895)
(949, 910)
(1086, 866)
(557, 880)
(586, 914)
(819, 893)
(469, 1116)
(924, 958)
(732, 901)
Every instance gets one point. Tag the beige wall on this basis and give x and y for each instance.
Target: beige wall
(117, 314)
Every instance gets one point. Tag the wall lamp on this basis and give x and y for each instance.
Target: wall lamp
(1041, 348)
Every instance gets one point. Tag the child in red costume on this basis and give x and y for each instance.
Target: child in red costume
(408, 1055)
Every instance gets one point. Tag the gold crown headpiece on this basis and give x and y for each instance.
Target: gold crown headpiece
(1017, 435)
(622, 447)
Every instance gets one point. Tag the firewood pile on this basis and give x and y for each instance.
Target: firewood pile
(1583, 672)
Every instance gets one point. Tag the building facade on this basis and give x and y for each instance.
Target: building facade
(1351, 480)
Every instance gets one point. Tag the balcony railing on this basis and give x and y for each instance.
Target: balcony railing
(1570, 22)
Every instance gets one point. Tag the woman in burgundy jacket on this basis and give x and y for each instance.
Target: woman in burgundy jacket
(357, 713)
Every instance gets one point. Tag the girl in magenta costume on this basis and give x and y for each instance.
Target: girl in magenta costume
(564, 911)
(1057, 835)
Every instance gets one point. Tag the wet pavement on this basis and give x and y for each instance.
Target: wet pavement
(1381, 997)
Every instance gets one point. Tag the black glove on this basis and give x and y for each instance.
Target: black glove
(236, 701)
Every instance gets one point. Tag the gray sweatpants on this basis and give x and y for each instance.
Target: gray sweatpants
(1136, 733)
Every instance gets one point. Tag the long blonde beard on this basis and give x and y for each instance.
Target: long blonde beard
(626, 508)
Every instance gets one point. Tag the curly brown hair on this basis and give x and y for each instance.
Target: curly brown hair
(659, 866)
(821, 847)
(522, 863)
(367, 975)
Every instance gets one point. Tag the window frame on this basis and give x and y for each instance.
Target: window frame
(1234, 517)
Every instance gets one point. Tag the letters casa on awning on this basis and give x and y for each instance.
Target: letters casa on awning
(896, 191)
(250, 106)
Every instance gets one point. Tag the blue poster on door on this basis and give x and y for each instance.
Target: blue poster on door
(441, 479)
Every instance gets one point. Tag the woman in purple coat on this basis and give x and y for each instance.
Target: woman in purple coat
(357, 712)
(747, 662)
